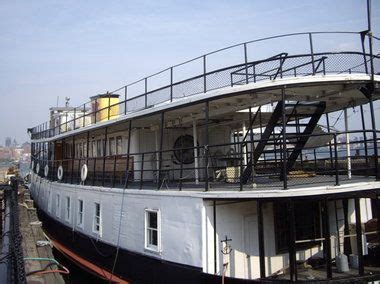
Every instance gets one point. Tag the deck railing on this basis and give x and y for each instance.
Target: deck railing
(331, 163)
(175, 82)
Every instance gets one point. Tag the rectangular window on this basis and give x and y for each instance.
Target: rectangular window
(99, 148)
(84, 149)
(119, 145)
(152, 230)
(80, 213)
(68, 208)
(49, 201)
(97, 219)
(111, 147)
(57, 205)
(93, 148)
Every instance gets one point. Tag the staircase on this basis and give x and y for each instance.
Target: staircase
(294, 111)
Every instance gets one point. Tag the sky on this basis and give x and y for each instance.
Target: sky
(53, 49)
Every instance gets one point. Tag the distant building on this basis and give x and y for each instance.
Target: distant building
(8, 142)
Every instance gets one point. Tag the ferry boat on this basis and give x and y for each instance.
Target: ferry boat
(225, 168)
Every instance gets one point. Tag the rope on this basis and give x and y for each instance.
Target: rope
(118, 237)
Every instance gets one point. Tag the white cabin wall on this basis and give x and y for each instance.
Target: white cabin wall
(181, 221)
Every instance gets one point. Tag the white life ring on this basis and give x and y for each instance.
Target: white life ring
(38, 168)
(46, 170)
(60, 173)
(84, 172)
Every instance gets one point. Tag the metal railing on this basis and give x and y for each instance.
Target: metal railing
(171, 86)
(328, 164)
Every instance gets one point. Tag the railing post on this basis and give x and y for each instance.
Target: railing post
(128, 153)
(146, 91)
(72, 161)
(362, 39)
(125, 99)
(241, 166)
(206, 144)
(84, 115)
(204, 75)
(312, 52)
(171, 84)
(365, 138)
(246, 63)
(75, 116)
(104, 154)
(109, 106)
(284, 150)
(330, 147)
(142, 171)
(162, 126)
(336, 161)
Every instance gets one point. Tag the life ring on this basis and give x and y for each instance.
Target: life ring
(84, 172)
(38, 168)
(60, 173)
(46, 170)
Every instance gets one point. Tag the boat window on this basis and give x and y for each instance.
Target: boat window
(99, 148)
(152, 230)
(80, 213)
(68, 208)
(97, 218)
(111, 146)
(307, 223)
(119, 145)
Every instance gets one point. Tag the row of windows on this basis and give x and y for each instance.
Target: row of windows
(152, 220)
(96, 148)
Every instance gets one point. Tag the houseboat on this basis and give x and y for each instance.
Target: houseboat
(242, 165)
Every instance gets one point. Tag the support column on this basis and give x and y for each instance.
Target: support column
(365, 137)
(284, 150)
(348, 148)
(326, 236)
(195, 143)
(162, 125)
(260, 229)
(206, 144)
(215, 240)
(292, 241)
(104, 154)
(128, 152)
(359, 240)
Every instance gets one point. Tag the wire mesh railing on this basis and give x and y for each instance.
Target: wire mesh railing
(202, 74)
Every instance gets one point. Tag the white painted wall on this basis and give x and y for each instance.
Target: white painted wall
(181, 224)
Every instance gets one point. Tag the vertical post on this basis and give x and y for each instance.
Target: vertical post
(114, 171)
(260, 231)
(87, 149)
(312, 52)
(204, 75)
(364, 137)
(75, 116)
(284, 150)
(72, 160)
(162, 126)
(372, 89)
(195, 144)
(292, 241)
(359, 241)
(330, 146)
(128, 153)
(336, 161)
(181, 167)
(246, 63)
(362, 39)
(348, 147)
(125, 99)
(142, 171)
(326, 236)
(104, 154)
(171, 84)
(206, 144)
(315, 159)
(84, 116)
(146, 91)
(215, 241)
(109, 106)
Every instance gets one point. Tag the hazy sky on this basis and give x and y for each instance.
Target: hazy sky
(80, 48)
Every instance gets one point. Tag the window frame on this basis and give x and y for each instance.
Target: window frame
(68, 209)
(58, 205)
(151, 247)
(80, 213)
(119, 145)
(97, 218)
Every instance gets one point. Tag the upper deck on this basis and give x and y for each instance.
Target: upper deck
(228, 128)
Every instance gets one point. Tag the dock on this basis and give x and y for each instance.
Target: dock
(28, 251)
